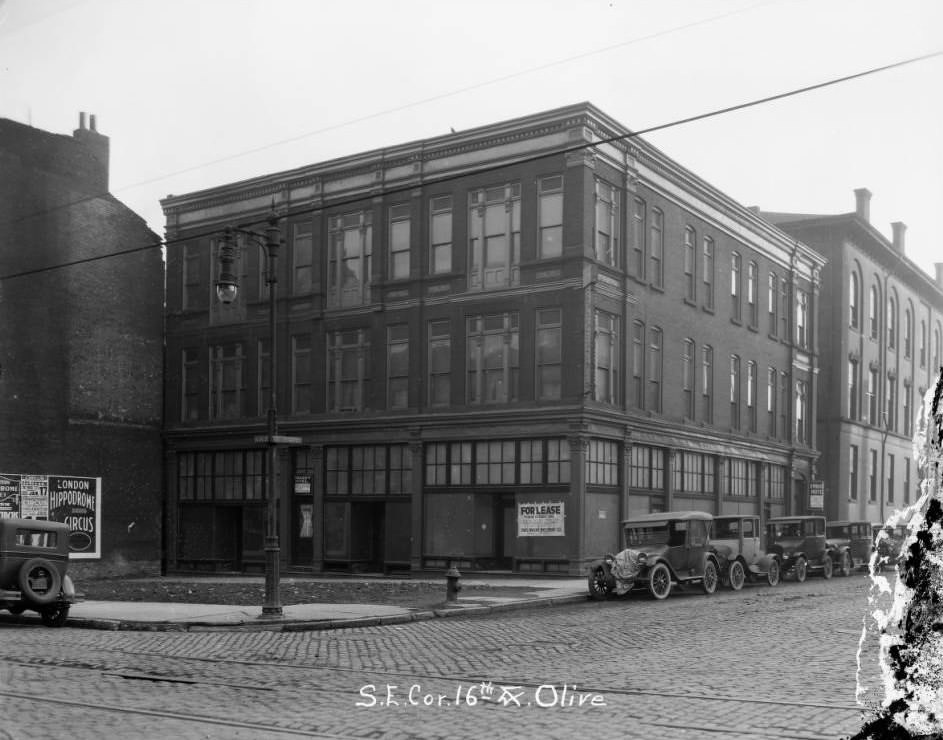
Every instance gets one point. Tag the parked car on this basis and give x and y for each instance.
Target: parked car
(799, 543)
(658, 551)
(851, 544)
(736, 537)
(34, 558)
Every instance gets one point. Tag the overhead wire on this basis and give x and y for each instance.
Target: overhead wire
(340, 202)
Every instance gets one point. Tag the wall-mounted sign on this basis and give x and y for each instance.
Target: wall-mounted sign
(817, 495)
(540, 519)
(74, 500)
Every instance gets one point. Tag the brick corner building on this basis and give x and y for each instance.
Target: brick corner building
(80, 340)
(495, 345)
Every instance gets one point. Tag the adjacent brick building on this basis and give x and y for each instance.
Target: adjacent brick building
(884, 319)
(494, 345)
(80, 337)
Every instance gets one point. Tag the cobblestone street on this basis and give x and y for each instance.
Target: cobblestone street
(763, 663)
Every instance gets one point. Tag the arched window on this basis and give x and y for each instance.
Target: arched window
(853, 302)
(908, 332)
(891, 323)
(923, 343)
(873, 312)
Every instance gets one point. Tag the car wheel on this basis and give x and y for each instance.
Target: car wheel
(599, 588)
(39, 581)
(801, 569)
(54, 616)
(827, 566)
(844, 567)
(737, 575)
(709, 582)
(773, 574)
(659, 581)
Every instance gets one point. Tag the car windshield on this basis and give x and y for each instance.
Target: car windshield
(839, 530)
(655, 533)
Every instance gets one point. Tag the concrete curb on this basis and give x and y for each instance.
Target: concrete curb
(472, 610)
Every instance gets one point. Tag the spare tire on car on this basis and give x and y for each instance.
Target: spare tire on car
(40, 581)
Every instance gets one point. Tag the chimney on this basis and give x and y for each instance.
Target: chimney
(91, 122)
(94, 153)
(939, 274)
(863, 204)
(899, 228)
(82, 125)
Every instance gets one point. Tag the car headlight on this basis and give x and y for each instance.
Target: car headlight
(642, 558)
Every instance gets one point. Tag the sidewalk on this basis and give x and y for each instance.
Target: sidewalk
(165, 617)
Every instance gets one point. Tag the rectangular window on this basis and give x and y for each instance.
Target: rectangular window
(440, 363)
(192, 282)
(350, 259)
(399, 241)
(693, 472)
(648, 468)
(751, 394)
(602, 463)
(802, 318)
(398, 366)
(654, 368)
(494, 237)
(890, 478)
(227, 381)
(852, 389)
(753, 303)
(493, 362)
(301, 368)
(853, 472)
(784, 406)
(784, 310)
(548, 352)
(606, 358)
(690, 264)
(440, 229)
(735, 292)
(369, 470)
(890, 418)
(707, 384)
(550, 216)
(347, 353)
(772, 297)
(190, 392)
(872, 396)
(802, 401)
(908, 421)
(460, 463)
(302, 257)
(638, 238)
(740, 478)
(777, 482)
(708, 266)
(233, 475)
(656, 245)
(873, 475)
(771, 401)
(638, 362)
(687, 377)
(734, 392)
(495, 462)
(607, 223)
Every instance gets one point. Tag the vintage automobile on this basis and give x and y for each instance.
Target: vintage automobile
(736, 537)
(34, 558)
(850, 543)
(659, 550)
(799, 543)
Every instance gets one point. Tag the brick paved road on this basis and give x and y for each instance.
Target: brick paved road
(764, 663)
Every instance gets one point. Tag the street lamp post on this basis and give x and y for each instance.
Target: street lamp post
(227, 287)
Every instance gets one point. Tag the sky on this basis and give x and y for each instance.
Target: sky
(199, 93)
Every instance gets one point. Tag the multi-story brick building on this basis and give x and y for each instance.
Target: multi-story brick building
(81, 293)
(883, 317)
(494, 345)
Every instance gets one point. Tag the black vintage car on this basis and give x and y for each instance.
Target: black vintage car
(850, 543)
(34, 558)
(800, 545)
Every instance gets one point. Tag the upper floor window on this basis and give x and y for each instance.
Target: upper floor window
(550, 216)
(301, 367)
(440, 363)
(890, 392)
(690, 264)
(607, 223)
(784, 405)
(302, 257)
(190, 390)
(771, 400)
(399, 241)
(751, 394)
(495, 237)
(784, 309)
(854, 301)
(852, 389)
(802, 401)
(638, 362)
(707, 383)
(908, 332)
(638, 238)
(923, 343)
(734, 391)
(735, 268)
(891, 324)
(656, 245)
(872, 396)
(873, 312)
(493, 358)
(687, 377)
(772, 295)
(606, 357)
(708, 272)
(347, 353)
(549, 357)
(654, 368)
(802, 318)
(907, 403)
(193, 284)
(227, 381)
(752, 290)
(440, 230)
(398, 366)
(350, 259)
(937, 343)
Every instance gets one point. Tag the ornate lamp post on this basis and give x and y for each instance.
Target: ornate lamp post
(227, 287)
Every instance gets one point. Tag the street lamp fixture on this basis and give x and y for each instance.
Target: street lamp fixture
(227, 288)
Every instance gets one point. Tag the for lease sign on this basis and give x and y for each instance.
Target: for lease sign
(540, 519)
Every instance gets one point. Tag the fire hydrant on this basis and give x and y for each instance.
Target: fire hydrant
(452, 586)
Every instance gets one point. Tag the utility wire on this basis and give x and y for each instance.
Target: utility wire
(503, 165)
(400, 108)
